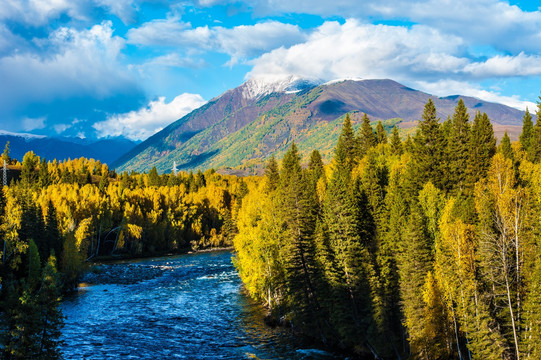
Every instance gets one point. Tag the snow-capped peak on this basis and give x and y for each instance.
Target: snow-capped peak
(22, 135)
(264, 85)
(335, 81)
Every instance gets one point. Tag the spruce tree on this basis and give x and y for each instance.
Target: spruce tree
(505, 147)
(272, 174)
(396, 143)
(153, 177)
(44, 178)
(535, 142)
(459, 147)
(350, 144)
(367, 138)
(381, 135)
(527, 131)
(482, 148)
(429, 147)
(5, 155)
(50, 315)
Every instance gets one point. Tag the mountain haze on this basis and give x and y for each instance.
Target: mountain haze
(50, 148)
(257, 119)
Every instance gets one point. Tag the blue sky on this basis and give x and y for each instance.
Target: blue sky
(104, 68)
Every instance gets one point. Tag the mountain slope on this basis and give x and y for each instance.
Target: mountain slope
(107, 150)
(251, 122)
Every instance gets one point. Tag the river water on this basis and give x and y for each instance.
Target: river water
(187, 307)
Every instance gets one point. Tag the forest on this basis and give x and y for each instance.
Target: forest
(426, 248)
(59, 216)
(423, 248)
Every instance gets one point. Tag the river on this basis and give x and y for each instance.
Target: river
(186, 307)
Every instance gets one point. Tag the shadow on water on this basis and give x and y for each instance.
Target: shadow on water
(187, 307)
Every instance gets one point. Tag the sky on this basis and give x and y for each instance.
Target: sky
(109, 68)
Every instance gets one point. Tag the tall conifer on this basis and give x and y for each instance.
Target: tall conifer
(367, 138)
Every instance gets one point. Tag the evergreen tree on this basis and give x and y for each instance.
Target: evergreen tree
(527, 131)
(272, 174)
(535, 141)
(5, 155)
(352, 308)
(429, 147)
(381, 135)
(29, 175)
(50, 315)
(350, 144)
(153, 177)
(505, 147)
(44, 178)
(367, 138)
(396, 143)
(315, 165)
(482, 148)
(459, 147)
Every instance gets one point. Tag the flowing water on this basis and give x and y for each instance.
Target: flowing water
(186, 307)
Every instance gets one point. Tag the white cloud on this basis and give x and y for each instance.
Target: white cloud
(239, 42)
(505, 27)
(78, 63)
(453, 87)
(140, 124)
(30, 124)
(519, 65)
(369, 51)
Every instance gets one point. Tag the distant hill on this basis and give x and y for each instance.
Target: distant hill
(107, 151)
(249, 123)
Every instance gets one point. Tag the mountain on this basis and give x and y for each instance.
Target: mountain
(247, 124)
(107, 150)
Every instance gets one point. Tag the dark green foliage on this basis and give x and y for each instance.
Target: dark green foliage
(367, 138)
(505, 147)
(348, 141)
(527, 131)
(272, 174)
(381, 135)
(153, 177)
(534, 153)
(458, 148)
(482, 148)
(316, 166)
(396, 143)
(429, 149)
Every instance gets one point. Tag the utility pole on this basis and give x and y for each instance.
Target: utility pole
(175, 171)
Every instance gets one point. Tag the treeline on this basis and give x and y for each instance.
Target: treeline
(60, 214)
(427, 248)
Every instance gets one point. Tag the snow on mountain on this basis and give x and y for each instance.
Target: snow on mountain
(264, 85)
(21, 135)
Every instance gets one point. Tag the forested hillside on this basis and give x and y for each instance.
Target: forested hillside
(58, 216)
(427, 248)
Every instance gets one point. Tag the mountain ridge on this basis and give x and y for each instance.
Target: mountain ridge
(242, 125)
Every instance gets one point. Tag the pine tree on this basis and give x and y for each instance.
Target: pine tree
(429, 147)
(50, 315)
(153, 177)
(535, 141)
(350, 144)
(396, 143)
(505, 147)
(5, 155)
(367, 138)
(315, 165)
(458, 147)
(44, 179)
(352, 310)
(482, 148)
(527, 131)
(29, 175)
(381, 135)
(272, 174)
